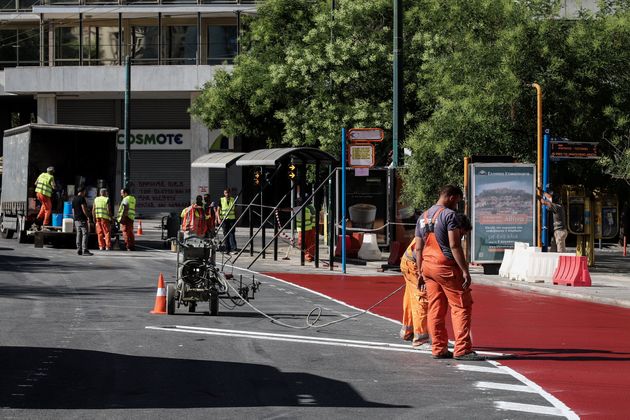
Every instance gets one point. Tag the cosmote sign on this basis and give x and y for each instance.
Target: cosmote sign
(156, 140)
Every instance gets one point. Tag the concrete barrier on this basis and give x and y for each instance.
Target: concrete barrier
(572, 271)
(369, 250)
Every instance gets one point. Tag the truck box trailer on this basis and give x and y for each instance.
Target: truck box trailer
(81, 155)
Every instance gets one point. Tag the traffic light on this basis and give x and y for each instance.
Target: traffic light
(257, 178)
(292, 172)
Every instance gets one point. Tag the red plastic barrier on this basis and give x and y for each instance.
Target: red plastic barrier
(572, 271)
(353, 244)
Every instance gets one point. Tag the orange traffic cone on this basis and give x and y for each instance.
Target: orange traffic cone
(160, 299)
(139, 233)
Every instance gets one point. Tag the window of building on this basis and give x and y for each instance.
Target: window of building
(144, 44)
(221, 44)
(19, 47)
(179, 44)
(100, 45)
(27, 5)
(67, 46)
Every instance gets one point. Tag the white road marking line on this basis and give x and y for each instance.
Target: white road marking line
(528, 408)
(505, 387)
(566, 411)
(293, 340)
(483, 369)
(25, 385)
(265, 334)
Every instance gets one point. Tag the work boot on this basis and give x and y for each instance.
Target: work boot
(79, 252)
(471, 357)
(86, 252)
(444, 355)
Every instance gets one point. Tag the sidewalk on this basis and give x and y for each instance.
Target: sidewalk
(610, 276)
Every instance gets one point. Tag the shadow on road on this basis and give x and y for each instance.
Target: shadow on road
(561, 355)
(81, 379)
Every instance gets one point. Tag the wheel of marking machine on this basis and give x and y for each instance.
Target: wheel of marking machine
(170, 298)
(5, 232)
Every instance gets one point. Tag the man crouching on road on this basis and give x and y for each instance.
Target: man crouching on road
(444, 270)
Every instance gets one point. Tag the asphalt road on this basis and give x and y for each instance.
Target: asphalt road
(77, 341)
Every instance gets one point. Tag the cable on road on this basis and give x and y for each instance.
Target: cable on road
(315, 312)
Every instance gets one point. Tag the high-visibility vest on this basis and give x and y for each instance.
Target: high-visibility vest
(101, 207)
(131, 213)
(44, 184)
(308, 221)
(193, 220)
(226, 203)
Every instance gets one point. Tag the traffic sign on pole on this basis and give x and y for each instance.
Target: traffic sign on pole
(366, 134)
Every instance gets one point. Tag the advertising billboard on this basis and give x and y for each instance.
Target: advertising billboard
(503, 208)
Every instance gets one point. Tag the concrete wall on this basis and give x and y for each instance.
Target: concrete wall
(108, 79)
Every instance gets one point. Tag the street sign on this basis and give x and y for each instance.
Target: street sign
(573, 150)
(361, 155)
(366, 134)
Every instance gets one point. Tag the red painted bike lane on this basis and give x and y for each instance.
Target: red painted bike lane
(578, 351)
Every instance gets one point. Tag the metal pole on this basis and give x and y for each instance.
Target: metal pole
(262, 216)
(343, 200)
(317, 209)
(332, 234)
(126, 169)
(545, 213)
(539, 153)
(397, 117)
(466, 209)
(251, 231)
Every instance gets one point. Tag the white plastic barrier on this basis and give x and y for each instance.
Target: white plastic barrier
(504, 270)
(369, 248)
(541, 266)
(520, 261)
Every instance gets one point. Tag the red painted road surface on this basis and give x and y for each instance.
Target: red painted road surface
(575, 350)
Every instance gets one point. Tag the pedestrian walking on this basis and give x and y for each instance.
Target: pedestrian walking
(227, 216)
(102, 215)
(415, 301)
(443, 269)
(559, 220)
(81, 221)
(44, 187)
(193, 219)
(126, 216)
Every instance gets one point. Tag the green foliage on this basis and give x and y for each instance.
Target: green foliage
(469, 66)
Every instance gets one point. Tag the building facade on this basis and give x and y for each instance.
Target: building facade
(63, 61)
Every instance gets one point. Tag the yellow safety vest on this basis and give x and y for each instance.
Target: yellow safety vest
(44, 184)
(131, 213)
(225, 205)
(101, 205)
(308, 222)
(313, 216)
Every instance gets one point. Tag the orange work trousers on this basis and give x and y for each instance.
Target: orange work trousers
(127, 231)
(103, 233)
(415, 303)
(309, 244)
(444, 288)
(45, 212)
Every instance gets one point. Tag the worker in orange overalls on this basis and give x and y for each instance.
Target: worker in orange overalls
(444, 271)
(44, 187)
(414, 302)
(193, 219)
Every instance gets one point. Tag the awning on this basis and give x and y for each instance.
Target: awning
(217, 160)
(271, 157)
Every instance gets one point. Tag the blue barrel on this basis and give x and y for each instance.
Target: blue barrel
(67, 210)
(57, 219)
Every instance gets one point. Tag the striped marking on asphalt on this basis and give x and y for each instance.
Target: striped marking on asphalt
(291, 338)
(529, 408)
(504, 387)
(483, 369)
